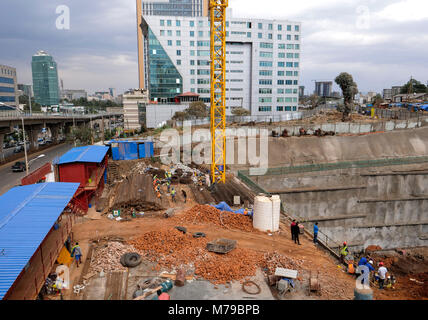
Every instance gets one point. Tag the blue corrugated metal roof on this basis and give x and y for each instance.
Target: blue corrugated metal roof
(26, 216)
(84, 154)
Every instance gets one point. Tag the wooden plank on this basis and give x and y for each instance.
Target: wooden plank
(287, 273)
(395, 173)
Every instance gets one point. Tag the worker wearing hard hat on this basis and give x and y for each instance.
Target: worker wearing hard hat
(344, 252)
(382, 271)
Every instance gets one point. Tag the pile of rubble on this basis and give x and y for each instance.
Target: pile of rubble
(273, 260)
(206, 214)
(172, 249)
(107, 257)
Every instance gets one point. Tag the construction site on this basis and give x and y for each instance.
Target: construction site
(119, 223)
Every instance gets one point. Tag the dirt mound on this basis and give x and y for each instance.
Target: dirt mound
(205, 214)
(372, 248)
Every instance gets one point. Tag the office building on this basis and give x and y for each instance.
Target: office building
(184, 8)
(45, 79)
(387, 94)
(8, 86)
(134, 107)
(262, 61)
(26, 89)
(324, 88)
(395, 90)
(69, 95)
(301, 91)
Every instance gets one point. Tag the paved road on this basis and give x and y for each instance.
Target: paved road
(10, 151)
(10, 179)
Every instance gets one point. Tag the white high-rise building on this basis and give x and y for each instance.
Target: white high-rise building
(262, 59)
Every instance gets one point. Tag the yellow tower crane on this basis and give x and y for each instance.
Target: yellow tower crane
(218, 89)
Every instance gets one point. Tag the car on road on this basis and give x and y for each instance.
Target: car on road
(18, 149)
(19, 166)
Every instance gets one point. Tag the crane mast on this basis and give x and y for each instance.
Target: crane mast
(218, 89)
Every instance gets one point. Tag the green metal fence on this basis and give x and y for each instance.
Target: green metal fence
(341, 165)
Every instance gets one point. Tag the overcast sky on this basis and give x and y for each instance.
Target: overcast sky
(380, 42)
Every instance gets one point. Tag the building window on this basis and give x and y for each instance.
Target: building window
(279, 37)
(192, 43)
(265, 109)
(249, 25)
(162, 23)
(265, 99)
(260, 35)
(290, 46)
(289, 65)
(290, 56)
(296, 64)
(289, 28)
(248, 34)
(169, 23)
(192, 23)
(266, 45)
(265, 64)
(280, 73)
(162, 32)
(192, 33)
(178, 62)
(265, 73)
(289, 73)
(296, 37)
(270, 27)
(264, 54)
(279, 108)
(280, 91)
(169, 42)
(280, 27)
(297, 55)
(192, 81)
(296, 73)
(270, 36)
(288, 37)
(192, 52)
(178, 33)
(281, 46)
(169, 33)
(296, 28)
(178, 23)
(265, 82)
(192, 62)
(192, 71)
(201, 23)
(281, 54)
(265, 91)
(281, 64)
(178, 43)
(280, 82)
(178, 52)
(297, 46)
(200, 33)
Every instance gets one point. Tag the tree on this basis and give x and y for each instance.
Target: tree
(414, 86)
(197, 109)
(240, 112)
(180, 115)
(314, 100)
(34, 106)
(349, 90)
(377, 101)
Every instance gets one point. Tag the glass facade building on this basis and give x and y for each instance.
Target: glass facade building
(164, 79)
(45, 79)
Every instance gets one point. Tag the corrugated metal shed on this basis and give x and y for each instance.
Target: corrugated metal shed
(84, 154)
(26, 216)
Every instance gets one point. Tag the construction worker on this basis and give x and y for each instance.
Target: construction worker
(296, 233)
(163, 295)
(344, 252)
(168, 185)
(173, 194)
(292, 229)
(76, 251)
(316, 233)
(382, 271)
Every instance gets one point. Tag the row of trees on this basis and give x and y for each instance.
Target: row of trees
(199, 109)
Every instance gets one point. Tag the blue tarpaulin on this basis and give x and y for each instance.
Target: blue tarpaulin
(223, 206)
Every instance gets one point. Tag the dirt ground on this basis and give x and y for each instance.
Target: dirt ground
(335, 283)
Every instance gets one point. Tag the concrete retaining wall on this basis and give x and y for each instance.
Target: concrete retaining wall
(387, 223)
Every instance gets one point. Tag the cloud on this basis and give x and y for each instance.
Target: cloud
(100, 49)
(405, 11)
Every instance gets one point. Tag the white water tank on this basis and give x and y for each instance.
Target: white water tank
(266, 213)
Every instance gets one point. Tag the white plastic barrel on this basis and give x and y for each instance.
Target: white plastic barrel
(266, 213)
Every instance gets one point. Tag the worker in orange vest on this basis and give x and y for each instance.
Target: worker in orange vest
(163, 295)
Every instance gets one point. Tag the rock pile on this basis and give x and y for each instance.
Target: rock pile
(107, 258)
(206, 214)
